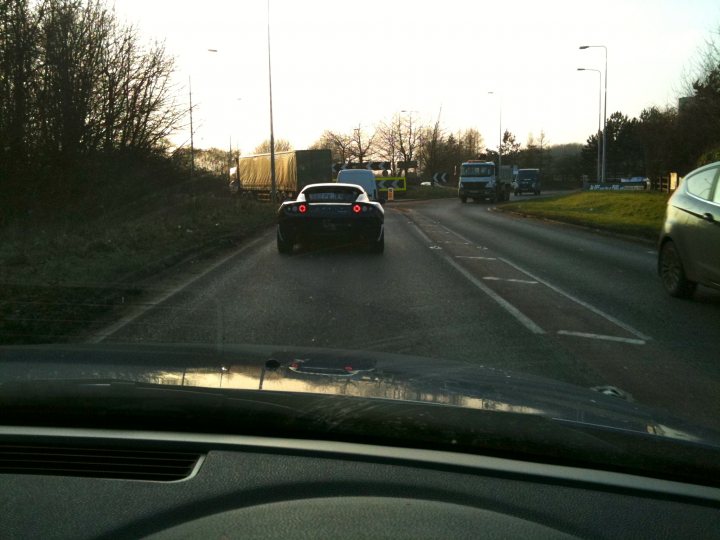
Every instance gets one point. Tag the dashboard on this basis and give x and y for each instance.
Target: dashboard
(94, 483)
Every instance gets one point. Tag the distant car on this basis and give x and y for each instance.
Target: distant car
(527, 181)
(689, 245)
(363, 178)
(331, 211)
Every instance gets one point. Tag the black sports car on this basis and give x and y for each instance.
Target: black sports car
(331, 211)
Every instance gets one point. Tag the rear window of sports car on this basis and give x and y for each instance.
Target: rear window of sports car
(332, 194)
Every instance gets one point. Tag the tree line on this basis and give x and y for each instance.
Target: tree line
(76, 87)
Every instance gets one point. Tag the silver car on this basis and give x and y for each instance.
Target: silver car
(689, 246)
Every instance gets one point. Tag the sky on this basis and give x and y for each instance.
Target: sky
(337, 65)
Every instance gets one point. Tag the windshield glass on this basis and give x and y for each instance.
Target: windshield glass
(478, 170)
(331, 194)
(524, 174)
(159, 165)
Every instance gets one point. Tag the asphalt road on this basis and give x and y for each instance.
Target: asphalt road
(463, 282)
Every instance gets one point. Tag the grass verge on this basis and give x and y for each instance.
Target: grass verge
(58, 276)
(632, 213)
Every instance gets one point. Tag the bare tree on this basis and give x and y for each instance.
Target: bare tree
(387, 141)
(471, 143)
(281, 145)
(410, 138)
(18, 62)
(361, 144)
(337, 143)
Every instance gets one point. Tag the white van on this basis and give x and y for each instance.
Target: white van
(360, 177)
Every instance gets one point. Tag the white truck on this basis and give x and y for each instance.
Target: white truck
(479, 181)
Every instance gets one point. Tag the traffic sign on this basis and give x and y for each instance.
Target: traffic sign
(440, 178)
(407, 164)
(370, 165)
(396, 184)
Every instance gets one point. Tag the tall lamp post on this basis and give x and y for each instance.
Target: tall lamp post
(599, 114)
(230, 160)
(273, 188)
(192, 141)
(604, 146)
(500, 130)
(409, 156)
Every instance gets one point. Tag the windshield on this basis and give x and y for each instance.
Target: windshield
(524, 174)
(331, 194)
(159, 165)
(478, 170)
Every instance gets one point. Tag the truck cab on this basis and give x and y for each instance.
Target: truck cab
(363, 178)
(527, 180)
(478, 181)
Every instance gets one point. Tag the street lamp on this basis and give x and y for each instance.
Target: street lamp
(192, 141)
(407, 151)
(273, 192)
(599, 113)
(604, 149)
(500, 130)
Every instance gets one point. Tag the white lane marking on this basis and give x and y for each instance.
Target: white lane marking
(477, 258)
(569, 296)
(511, 280)
(602, 337)
(515, 312)
(108, 331)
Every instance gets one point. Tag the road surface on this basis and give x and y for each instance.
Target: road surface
(463, 282)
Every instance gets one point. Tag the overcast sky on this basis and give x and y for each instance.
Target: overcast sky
(337, 64)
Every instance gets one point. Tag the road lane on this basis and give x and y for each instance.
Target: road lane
(405, 301)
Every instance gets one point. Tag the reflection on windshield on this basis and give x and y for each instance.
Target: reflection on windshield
(372, 385)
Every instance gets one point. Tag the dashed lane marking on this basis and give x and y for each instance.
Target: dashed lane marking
(507, 306)
(558, 290)
(602, 337)
(511, 280)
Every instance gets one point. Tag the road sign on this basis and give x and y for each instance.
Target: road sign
(387, 183)
(440, 178)
(370, 165)
(407, 165)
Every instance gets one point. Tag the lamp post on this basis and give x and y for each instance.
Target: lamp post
(192, 141)
(604, 146)
(273, 188)
(599, 113)
(500, 131)
(407, 150)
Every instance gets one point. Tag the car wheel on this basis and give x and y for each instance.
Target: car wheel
(463, 200)
(283, 246)
(672, 272)
(378, 246)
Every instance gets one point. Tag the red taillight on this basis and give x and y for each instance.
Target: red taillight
(357, 208)
(295, 365)
(302, 208)
(348, 368)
